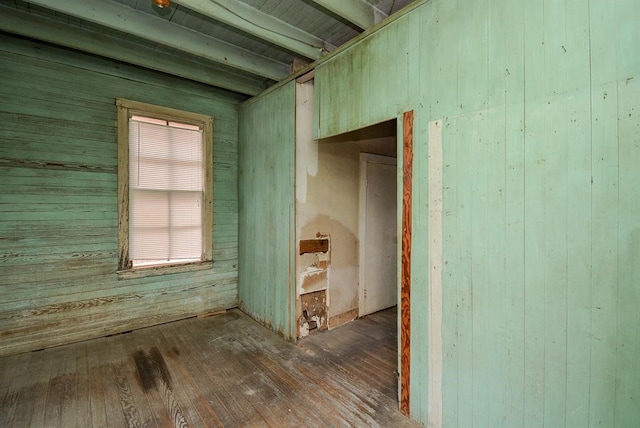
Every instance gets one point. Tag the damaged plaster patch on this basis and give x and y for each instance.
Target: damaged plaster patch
(314, 313)
(304, 329)
(314, 278)
(316, 275)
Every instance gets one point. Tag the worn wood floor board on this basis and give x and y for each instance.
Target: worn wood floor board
(233, 380)
(177, 400)
(295, 389)
(152, 378)
(214, 371)
(60, 392)
(221, 371)
(13, 389)
(357, 363)
(131, 398)
(308, 391)
(99, 393)
(66, 388)
(36, 392)
(84, 383)
(348, 357)
(342, 400)
(208, 405)
(256, 350)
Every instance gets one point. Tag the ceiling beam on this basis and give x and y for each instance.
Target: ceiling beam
(357, 12)
(257, 23)
(40, 28)
(123, 18)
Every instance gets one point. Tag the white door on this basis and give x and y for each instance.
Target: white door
(378, 233)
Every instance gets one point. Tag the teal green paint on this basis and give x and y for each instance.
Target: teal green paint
(628, 300)
(604, 280)
(535, 256)
(496, 267)
(157, 30)
(51, 31)
(451, 273)
(58, 199)
(267, 228)
(357, 12)
(419, 268)
(541, 275)
(259, 24)
(579, 261)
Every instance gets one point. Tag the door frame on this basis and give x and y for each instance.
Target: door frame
(365, 159)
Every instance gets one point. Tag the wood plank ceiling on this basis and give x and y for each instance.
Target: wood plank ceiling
(240, 45)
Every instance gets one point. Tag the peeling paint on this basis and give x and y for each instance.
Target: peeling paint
(316, 274)
(314, 313)
(304, 330)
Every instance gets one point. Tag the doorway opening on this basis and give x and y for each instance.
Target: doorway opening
(337, 280)
(347, 219)
(346, 227)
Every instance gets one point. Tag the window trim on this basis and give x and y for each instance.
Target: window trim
(125, 109)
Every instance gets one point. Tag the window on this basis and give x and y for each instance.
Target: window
(165, 188)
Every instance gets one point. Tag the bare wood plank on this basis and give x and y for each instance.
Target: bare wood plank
(163, 390)
(99, 391)
(217, 371)
(405, 292)
(125, 397)
(13, 375)
(270, 360)
(314, 246)
(33, 389)
(211, 381)
(61, 392)
(239, 386)
(210, 409)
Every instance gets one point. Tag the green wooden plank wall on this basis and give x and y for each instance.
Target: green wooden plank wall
(58, 199)
(267, 228)
(540, 103)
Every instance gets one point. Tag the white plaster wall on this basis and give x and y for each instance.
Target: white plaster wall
(328, 205)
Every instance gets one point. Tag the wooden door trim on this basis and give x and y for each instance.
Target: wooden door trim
(405, 273)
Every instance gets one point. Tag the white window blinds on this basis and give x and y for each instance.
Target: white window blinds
(166, 176)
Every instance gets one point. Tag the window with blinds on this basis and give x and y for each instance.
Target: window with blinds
(165, 191)
(165, 186)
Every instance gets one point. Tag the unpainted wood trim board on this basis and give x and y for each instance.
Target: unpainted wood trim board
(405, 291)
(435, 167)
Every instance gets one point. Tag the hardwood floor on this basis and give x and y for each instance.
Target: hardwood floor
(221, 371)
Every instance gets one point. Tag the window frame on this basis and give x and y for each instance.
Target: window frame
(125, 109)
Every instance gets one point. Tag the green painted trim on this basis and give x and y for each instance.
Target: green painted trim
(40, 28)
(257, 23)
(140, 24)
(355, 11)
(371, 31)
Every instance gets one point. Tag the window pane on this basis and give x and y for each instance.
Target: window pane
(149, 244)
(166, 192)
(186, 209)
(148, 209)
(184, 241)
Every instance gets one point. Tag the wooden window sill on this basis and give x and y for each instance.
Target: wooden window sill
(142, 272)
